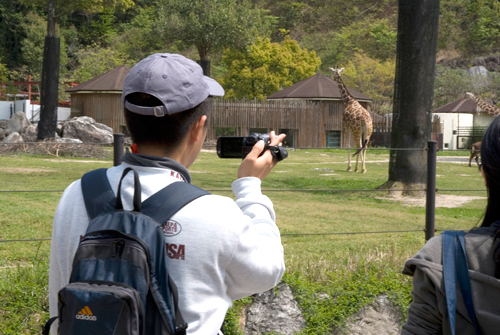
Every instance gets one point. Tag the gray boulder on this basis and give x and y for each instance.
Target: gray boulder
(18, 122)
(274, 312)
(479, 71)
(87, 130)
(68, 140)
(30, 133)
(14, 137)
(59, 129)
(3, 124)
(3, 133)
(381, 317)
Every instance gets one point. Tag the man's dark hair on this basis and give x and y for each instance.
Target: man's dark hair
(168, 130)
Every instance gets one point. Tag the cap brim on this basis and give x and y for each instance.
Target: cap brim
(214, 87)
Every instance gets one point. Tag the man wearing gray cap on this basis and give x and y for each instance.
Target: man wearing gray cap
(219, 250)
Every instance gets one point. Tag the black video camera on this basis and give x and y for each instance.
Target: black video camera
(239, 147)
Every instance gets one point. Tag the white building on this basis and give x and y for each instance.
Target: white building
(32, 111)
(463, 123)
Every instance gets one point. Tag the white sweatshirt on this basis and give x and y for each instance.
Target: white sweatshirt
(219, 250)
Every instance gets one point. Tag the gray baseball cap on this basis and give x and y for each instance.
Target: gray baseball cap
(178, 82)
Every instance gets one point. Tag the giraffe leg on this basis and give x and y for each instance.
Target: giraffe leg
(363, 158)
(347, 140)
(357, 140)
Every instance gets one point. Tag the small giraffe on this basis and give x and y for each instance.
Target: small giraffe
(355, 119)
(488, 108)
(475, 152)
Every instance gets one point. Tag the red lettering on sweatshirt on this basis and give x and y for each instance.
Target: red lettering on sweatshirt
(175, 251)
(176, 175)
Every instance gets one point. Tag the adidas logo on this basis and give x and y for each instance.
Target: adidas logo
(86, 314)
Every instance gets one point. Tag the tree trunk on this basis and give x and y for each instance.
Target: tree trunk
(50, 78)
(205, 65)
(413, 93)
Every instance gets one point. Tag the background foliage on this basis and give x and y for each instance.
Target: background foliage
(98, 35)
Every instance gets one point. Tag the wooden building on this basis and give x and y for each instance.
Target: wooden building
(100, 98)
(309, 112)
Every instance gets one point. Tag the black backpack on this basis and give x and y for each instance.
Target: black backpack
(119, 282)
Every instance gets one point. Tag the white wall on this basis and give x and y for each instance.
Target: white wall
(482, 119)
(32, 111)
(5, 109)
(451, 121)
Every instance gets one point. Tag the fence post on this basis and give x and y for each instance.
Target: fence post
(118, 148)
(430, 202)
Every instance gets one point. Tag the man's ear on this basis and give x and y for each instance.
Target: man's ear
(198, 129)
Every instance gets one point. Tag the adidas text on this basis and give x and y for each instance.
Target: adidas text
(86, 317)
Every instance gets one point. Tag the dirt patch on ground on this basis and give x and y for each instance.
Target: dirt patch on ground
(442, 200)
(25, 170)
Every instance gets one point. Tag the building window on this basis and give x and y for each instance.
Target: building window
(447, 145)
(333, 138)
(220, 131)
(290, 139)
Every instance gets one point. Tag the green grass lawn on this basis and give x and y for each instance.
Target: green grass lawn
(315, 211)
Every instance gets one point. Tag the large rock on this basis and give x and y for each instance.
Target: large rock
(68, 140)
(3, 133)
(382, 317)
(87, 130)
(14, 137)
(30, 133)
(18, 122)
(3, 124)
(276, 313)
(479, 71)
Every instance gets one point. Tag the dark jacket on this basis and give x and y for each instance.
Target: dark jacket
(428, 312)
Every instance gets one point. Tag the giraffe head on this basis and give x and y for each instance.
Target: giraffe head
(469, 95)
(336, 72)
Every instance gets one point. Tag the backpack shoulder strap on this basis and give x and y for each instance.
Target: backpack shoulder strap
(97, 193)
(455, 266)
(169, 200)
(163, 205)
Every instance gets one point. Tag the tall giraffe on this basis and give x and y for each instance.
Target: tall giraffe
(488, 108)
(355, 120)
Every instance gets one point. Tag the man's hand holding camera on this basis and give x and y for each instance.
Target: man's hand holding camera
(257, 165)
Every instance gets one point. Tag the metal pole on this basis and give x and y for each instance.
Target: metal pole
(430, 203)
(118, 148)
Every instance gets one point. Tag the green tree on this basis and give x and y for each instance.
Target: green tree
(140, 35)
(211, 26)
(451, 84)
(374, 78)
(12, 16)
(375, 38)
(51, 57)
(32, 46)
(3, 72)
(484, 18)
(95, 61)
(264, 68)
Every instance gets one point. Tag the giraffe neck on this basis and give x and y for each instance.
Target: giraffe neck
(488, 108)
(346, 97)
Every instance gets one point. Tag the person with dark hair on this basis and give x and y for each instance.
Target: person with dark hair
(428, 312)
(219, 250)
